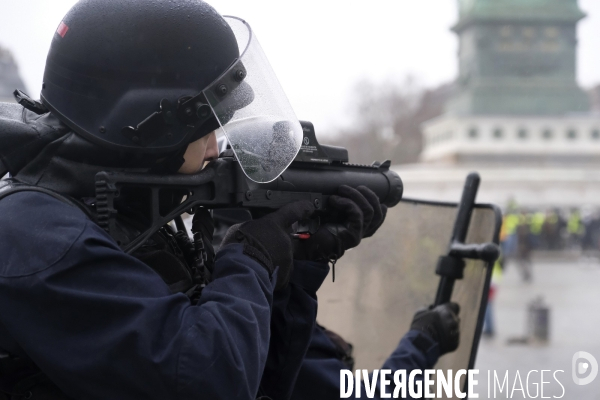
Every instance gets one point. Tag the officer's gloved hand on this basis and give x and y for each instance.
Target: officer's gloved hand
(271, 236)
(441, 323)
(203, 227)
(357, 214)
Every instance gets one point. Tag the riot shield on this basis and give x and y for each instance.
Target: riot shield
(386, 279)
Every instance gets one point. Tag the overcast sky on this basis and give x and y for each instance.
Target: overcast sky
(318, 49)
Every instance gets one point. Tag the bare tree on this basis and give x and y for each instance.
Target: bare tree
(387, 119)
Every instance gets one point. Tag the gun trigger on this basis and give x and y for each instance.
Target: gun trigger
(301, 236)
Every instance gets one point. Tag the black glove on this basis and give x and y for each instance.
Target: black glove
(441, 323)
(357, 214)
(271, 236)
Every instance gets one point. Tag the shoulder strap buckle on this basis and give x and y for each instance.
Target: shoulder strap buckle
(32, 105)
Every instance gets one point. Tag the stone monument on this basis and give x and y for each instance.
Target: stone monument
(518, 57)
(518, 116)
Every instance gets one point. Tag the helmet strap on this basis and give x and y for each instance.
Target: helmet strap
(189, 114)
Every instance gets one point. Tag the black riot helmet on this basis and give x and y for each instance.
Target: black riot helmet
(145, 76)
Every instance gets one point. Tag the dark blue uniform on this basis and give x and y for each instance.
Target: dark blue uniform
(102, 324)
(319, 377)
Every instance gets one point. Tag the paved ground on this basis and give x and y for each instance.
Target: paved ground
(572, 291)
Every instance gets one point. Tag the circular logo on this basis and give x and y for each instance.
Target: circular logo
(584, 364)
(306, 140)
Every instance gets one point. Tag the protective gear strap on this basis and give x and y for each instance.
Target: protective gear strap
(30, 104)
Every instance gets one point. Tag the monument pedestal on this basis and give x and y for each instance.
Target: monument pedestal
(534, 187)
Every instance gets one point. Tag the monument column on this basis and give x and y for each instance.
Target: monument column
(518, 57)
(517, 98)
(517, 116)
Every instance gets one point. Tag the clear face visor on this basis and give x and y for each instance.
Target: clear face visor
(253, 111)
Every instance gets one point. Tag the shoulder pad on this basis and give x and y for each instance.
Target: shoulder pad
(23, 134)
(37, 230)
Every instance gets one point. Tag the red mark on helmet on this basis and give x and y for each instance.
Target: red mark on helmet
(62, 29)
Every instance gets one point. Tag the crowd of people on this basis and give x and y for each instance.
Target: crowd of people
(553, 229)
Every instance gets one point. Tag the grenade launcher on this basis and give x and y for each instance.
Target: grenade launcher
(314, 175)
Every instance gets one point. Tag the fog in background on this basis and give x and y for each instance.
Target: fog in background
(326, 54)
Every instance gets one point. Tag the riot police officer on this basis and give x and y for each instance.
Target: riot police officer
(141, 86)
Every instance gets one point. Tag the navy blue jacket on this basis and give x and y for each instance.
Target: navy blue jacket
(103, 325)
(292, 326)
(319, 377)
